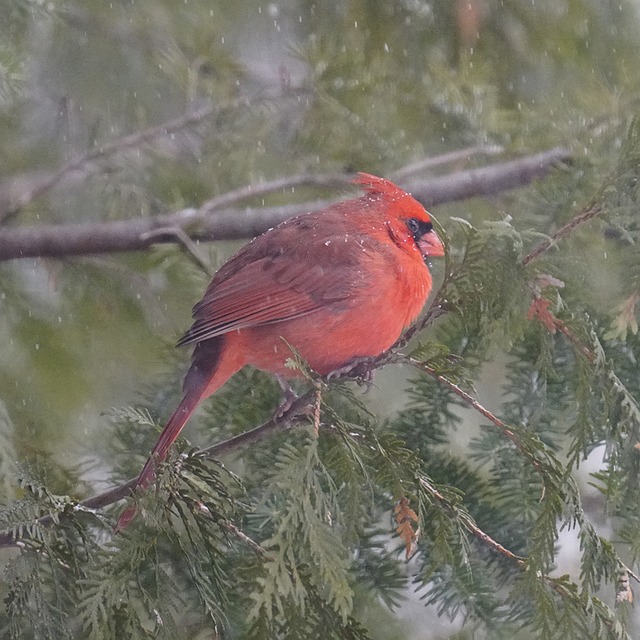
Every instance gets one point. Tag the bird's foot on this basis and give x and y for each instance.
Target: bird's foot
(358, 369)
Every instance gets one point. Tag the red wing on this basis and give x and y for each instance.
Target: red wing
(267, 291)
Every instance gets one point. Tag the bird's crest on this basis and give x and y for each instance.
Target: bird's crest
(379, 186)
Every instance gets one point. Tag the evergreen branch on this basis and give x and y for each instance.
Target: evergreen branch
(187, 243)
(250, 542)
(82, 162)
(471, 526)
(299, 407)
(540, 309)
(473, 403)
(565, 590)
(231, 223)
(622, 182)
(587, 214)
(595, 607)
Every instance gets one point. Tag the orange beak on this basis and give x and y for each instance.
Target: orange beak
(430, 245)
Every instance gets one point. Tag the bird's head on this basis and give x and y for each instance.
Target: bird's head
(407, 220)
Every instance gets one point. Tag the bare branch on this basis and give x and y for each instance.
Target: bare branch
(232, 224)
(489, 180)
(468, 398)
(326, 181)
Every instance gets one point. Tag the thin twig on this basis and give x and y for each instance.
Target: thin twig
(587, 214)
(181, 236)
(301, 406)
(472, 527)
(82, 162)
(237, 532)
(446, 158)
(631, 573)
(472, 402)
(488, 540)
(326, 181)
(316, 411)
(436, 310)
(259, 550)
(468, 398)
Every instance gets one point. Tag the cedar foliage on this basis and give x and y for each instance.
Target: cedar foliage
(318, 530)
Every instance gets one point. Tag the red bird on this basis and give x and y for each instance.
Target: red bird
(337, 284)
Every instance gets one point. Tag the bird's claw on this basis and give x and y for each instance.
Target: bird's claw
(358, 369)
(366, 380)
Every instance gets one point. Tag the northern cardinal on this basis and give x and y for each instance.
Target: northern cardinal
(337, 284)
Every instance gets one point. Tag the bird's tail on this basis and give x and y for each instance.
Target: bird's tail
(168, 436)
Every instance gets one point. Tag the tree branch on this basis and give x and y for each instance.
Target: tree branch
(489, 180)
(232, 223)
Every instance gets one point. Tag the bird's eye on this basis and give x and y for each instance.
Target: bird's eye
(413, 225)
